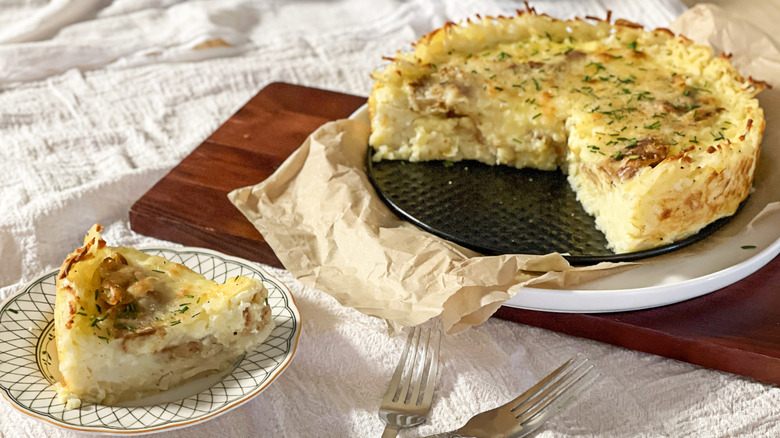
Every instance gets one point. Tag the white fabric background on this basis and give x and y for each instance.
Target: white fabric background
(99, 99)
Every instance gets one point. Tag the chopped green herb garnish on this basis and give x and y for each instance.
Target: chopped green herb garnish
(14, 311)
(748, 247)
(619, 113)
(655, 125)
(448, 163)
(130, 311)
(104, 338)
(517, 141)
(157, 270)
(632, 45)
(536, 115)
(175, 322)
(644, 95)
(96, 320)
(598, 66)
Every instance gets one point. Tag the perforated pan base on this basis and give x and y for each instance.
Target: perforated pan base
(500, 209)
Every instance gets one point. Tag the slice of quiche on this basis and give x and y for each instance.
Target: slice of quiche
(129, 324)
(658, 137)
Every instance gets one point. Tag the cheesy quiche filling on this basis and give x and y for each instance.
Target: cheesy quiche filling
(658, 137)
(129, 324)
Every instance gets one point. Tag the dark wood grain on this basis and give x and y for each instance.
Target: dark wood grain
(735, 329)
(190, 206)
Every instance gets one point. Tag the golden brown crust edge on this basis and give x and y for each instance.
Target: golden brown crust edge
(92, 238)
(65, 292)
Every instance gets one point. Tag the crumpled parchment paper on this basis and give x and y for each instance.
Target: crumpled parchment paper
(328, 227)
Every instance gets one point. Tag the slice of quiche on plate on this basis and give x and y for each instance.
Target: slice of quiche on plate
(129, 325)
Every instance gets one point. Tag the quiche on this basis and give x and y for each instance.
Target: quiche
(129, 324)
(656, 135)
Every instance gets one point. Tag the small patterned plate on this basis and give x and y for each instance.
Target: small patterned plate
(29, 366)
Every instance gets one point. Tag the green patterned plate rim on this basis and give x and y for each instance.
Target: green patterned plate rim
(28, 357)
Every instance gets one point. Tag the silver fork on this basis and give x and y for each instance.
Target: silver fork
(409, 395)
(523, 415)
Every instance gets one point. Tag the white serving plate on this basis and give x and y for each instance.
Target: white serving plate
(705, 267)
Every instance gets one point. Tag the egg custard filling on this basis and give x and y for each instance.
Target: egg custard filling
(657, 137)
(129, 324)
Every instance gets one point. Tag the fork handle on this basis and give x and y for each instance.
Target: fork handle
(390, 432)
(453, 434)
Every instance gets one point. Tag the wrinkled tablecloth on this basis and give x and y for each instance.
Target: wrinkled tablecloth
(99, 99)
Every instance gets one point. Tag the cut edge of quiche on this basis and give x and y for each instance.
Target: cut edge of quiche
(130, 325)
(658, 137)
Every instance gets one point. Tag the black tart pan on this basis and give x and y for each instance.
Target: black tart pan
(501, 210)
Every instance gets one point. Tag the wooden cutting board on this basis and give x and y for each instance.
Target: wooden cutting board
(735, 329)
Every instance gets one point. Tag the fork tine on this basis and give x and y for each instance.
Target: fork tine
(409, 394)
(540, 385)
(417, 366)
(394, 385)
(432, 365)
(560, 377)
(553, 398)
(558, 402)
(561, 397)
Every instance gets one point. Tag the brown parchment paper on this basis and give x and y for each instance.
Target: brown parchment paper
(328, 227)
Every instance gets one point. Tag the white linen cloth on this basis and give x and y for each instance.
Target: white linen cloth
(99, 99)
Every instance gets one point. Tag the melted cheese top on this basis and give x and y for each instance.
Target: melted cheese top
(527, 86)
(137, 293)
(658, 136)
